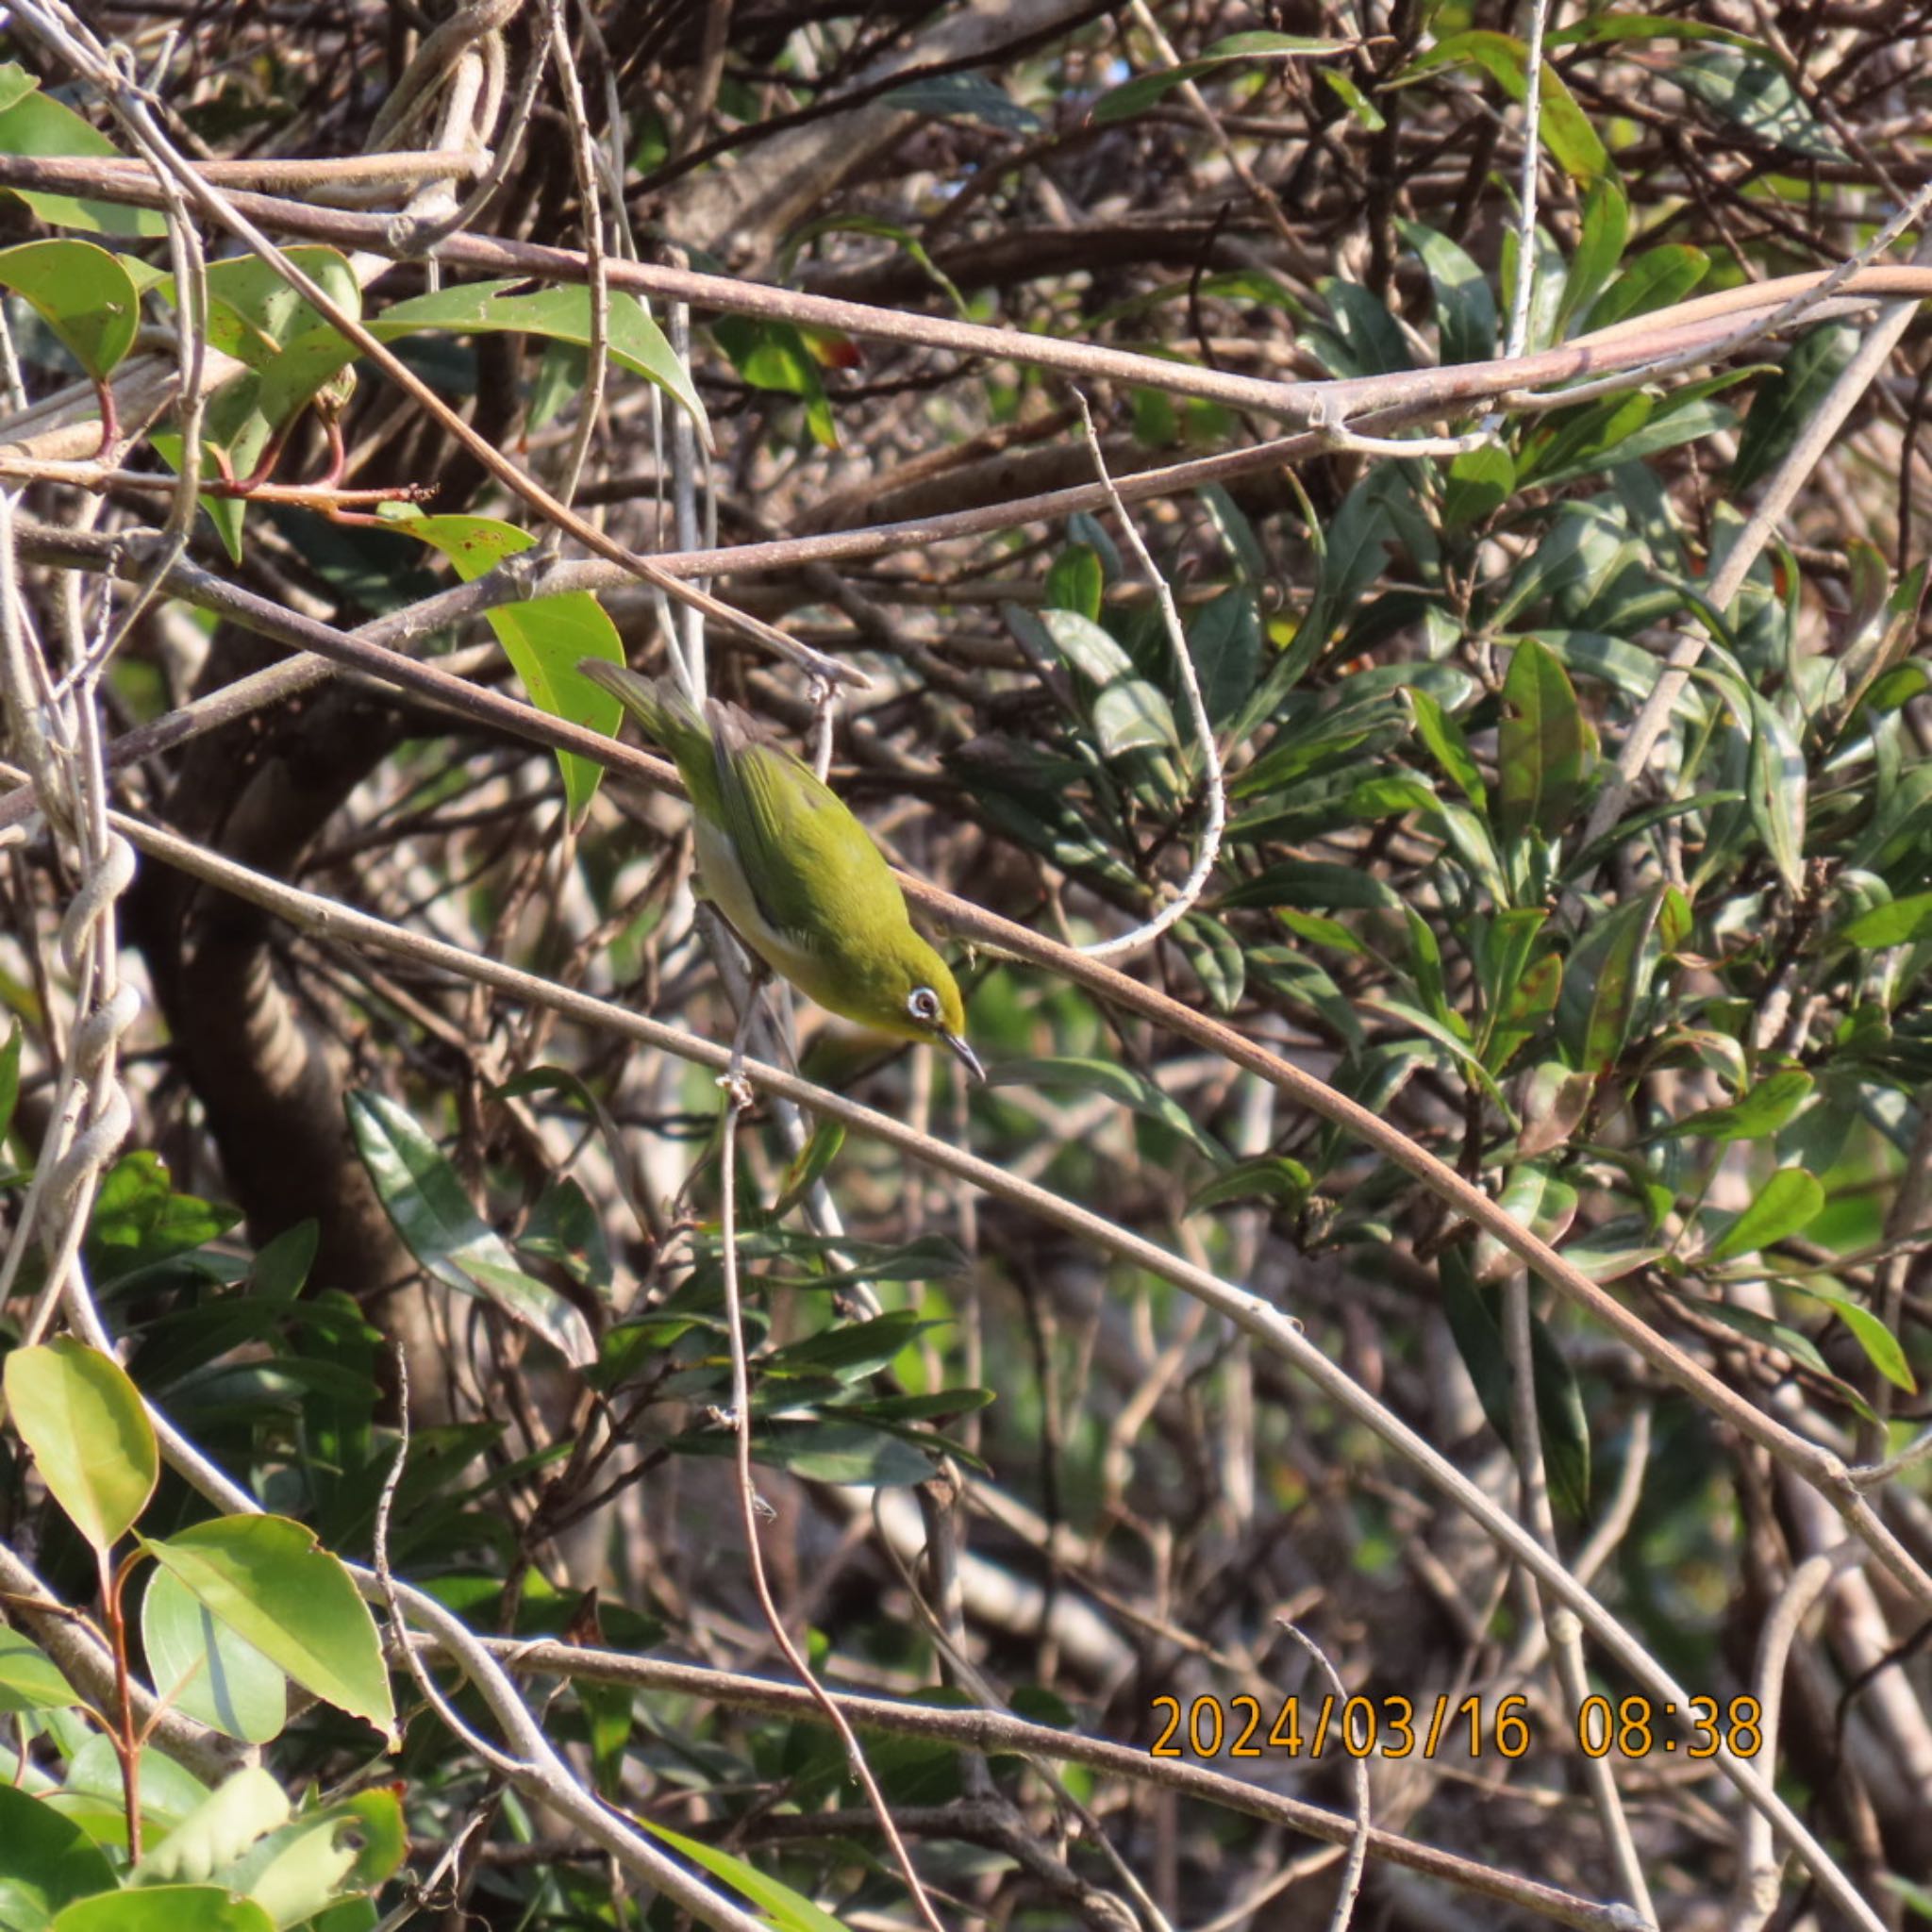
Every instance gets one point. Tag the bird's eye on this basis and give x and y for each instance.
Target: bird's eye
(924, 1004)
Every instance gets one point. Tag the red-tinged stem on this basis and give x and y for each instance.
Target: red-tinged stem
(122, 1732)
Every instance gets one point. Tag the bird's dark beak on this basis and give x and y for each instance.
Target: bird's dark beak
(967, 1055)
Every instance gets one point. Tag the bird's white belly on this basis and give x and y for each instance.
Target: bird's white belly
(731, 892)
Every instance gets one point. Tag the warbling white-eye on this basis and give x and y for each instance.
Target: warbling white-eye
(783, 859)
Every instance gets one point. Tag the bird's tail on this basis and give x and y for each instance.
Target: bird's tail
(667, 715)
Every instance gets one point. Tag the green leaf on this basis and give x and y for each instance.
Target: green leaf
(1789, 400)
(1448, 746)
(139, 1219)
(1132, 715)
(1282, 1183)
(1480, 483)
(166, 1908)
(1474, 1317)
(9, 1081)
(1077, 581)
(1545, 747)
(1565, 128)
(1603, 980)
(1083, 645)
(1658, 278)
(29, 1680)
(1224, 641)
(1779, 789)
(1465, 307)
(543, 637)
(46, 1861)
(1755, 1116)
(84, 296)
(1880, 1344)
(423, 1196)
(1605, 229)
(207, 1668)
(1371, 117)
(774, 356)
(1215, 955)
(247, 1806)
(1789, 1200)
(964, 97)
(33, 123)
(809, 1167)
(788, 1909)
(83, 1419)
(322, 1856)
(1898, 923)
(270, 1582)
(1753, 93)
(559, 314)
(1132, 1089)
(860, 1453)
(1363, 339)
(1136, 96)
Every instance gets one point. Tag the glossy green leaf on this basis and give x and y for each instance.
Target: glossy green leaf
(166, 1908)
(1216, 956)
(1753, 94)
(1224, 641)
(1473, 1312)
(788, 1910)
(46, 1861)
(1362, 337)
(1132, 715)
(1604, 230)
(1273, 1178)
(1880, 1344)
(1076, 581)
(29, 1680)
(1755, 1116)
(1603, 980)
(1545, 747)
(84, 296)
(322, 1857)
(208, 1670)
(1787, 401)
(561, 314)
(10, 1080)
(1371, 117)
(1465, 307)
(1896, 922)
(1565, 128)
(824, 1451)
(139, 1219)
(247, 1807)
(1779, 790)
(1658, 278)
(775, 356)
(1480, 483)
(1439, 729)
(91, 1438)
(545, 637)
(35, 124)
(1785, 1202)
(269, 1580)
(421, 1195)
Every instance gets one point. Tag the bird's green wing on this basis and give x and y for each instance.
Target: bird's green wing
(812, 867)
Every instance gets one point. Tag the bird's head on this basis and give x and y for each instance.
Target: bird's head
(915, 996)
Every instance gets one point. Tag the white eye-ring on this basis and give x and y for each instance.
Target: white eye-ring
(924, 1004)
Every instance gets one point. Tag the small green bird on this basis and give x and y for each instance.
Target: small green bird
(800, 881)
